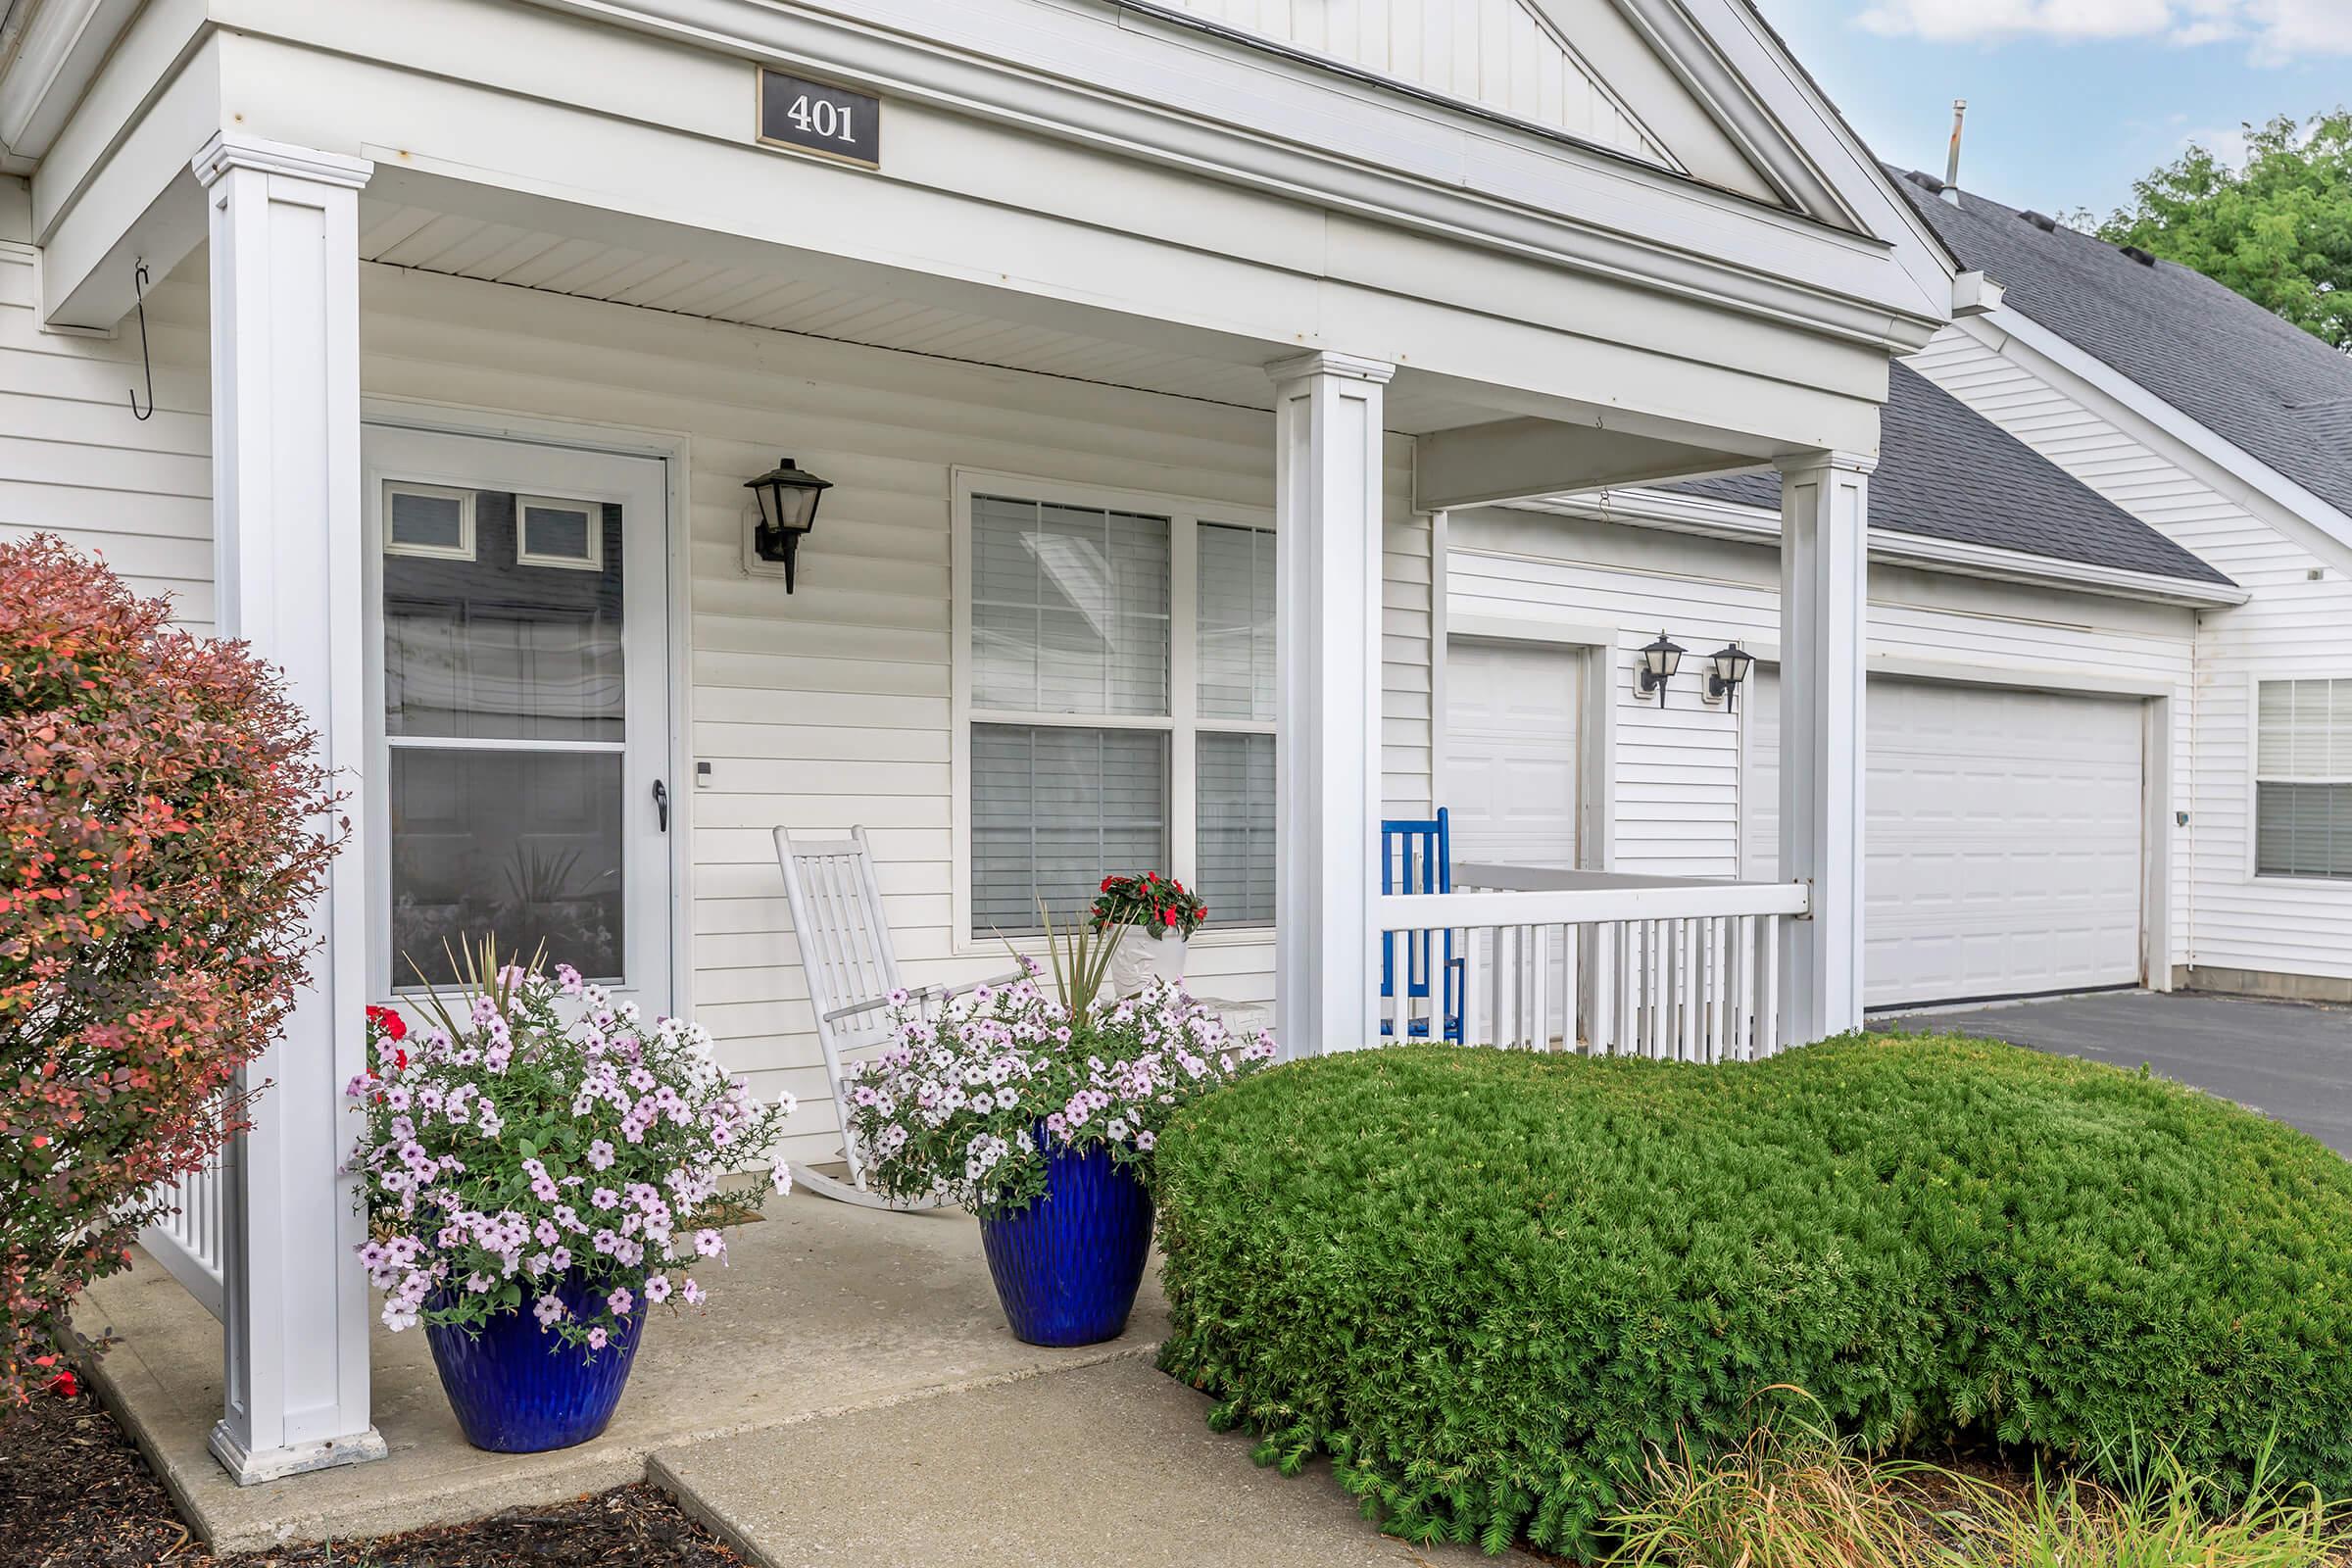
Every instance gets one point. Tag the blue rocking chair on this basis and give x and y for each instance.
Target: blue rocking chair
(1417, 857)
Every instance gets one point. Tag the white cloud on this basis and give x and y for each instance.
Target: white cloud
(2275, 32)
(2227, 143)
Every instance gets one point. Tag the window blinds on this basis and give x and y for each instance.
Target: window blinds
(2303, 779)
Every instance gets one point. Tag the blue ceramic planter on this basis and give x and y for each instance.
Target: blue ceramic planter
(519, 1390)
(1067, 1266)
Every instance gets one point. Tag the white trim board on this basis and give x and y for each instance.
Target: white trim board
(2063, 680)
(1730, 519)
(1174, 95)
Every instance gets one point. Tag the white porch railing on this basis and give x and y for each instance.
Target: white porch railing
(1672, 967)
(191, 1241)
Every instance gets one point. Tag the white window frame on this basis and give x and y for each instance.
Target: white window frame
(463, 549)
(594, 561)
(1183, 723)
(2256, 779)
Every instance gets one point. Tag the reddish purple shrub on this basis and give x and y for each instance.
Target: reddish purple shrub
(160, 847)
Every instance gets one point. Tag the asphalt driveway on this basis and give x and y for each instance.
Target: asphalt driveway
(2284, 1058)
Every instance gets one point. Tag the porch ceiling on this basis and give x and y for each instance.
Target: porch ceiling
(425, 239)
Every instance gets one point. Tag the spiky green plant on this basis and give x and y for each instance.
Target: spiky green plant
(1081, 958)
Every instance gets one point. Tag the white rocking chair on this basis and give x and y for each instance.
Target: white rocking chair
(846, 952)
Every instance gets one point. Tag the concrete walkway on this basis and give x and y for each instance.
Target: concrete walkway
(851, 1396)
(2289, 1060)
(1108, 1466)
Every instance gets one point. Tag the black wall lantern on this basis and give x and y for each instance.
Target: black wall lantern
(1727, 667)
(1656, 667)
(788, 495)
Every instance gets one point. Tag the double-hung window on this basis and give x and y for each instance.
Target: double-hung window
(1116, 674)
(2303, 779)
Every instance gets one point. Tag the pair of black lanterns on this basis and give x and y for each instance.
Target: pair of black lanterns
(788, 495)
(1726, 668)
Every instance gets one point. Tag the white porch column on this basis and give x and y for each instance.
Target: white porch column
(1327, 482)
(1824, 640)
(288, 578)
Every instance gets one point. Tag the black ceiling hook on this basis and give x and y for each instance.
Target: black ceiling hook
(138, 279)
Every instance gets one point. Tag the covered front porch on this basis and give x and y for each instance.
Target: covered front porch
(850, 700)
(401, 311)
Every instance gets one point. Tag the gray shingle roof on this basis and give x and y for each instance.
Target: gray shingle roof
(2263, 384)
(1947, 472)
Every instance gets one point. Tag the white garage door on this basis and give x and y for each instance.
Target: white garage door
(2004, 851)
(1510, 752)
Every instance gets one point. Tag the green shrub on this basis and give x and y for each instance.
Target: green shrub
(1488, 1283)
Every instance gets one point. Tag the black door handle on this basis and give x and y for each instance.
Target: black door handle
(662, 803)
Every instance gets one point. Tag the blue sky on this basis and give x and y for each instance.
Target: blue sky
(2069, 101)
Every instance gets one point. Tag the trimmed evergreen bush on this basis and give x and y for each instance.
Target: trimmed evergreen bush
(1486, 1282)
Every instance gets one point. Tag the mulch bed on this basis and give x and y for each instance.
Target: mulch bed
(74, 1493)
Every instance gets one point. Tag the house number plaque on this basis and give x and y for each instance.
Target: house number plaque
(817, 116)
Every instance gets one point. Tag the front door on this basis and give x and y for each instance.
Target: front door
(521, 786)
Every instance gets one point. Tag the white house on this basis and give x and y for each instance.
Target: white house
(1126, 333)
(2230, 433)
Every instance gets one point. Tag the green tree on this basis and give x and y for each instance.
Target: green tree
(2278, 231)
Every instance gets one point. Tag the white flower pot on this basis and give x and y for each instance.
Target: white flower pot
(1142, 958)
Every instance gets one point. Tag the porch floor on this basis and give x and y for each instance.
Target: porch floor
(851, 1396)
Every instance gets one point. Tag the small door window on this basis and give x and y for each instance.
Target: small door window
(429, 519)
(551, 532)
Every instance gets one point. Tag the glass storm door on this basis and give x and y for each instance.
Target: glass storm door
(521, 787)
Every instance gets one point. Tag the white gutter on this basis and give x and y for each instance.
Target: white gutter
(1732, 519)
(59, 46)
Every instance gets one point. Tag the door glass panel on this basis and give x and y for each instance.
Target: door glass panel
(506, 717)
(517, 844)
(497, 645)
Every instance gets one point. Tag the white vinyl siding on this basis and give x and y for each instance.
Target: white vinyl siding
(75, 461)
(2303, 779)
(1502, 54)
(2226, 916)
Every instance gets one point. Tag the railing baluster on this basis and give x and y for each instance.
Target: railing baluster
(1572, 940)
(1716, 999)
(1768, 982)
(1685, 988)
(1743, 953)
(1538, 995)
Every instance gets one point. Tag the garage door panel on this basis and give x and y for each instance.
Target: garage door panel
(1511, 752)
(2004, 851)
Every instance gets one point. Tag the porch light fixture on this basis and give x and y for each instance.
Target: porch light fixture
(788, 495)
(1727, 667)
(1658, 663)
